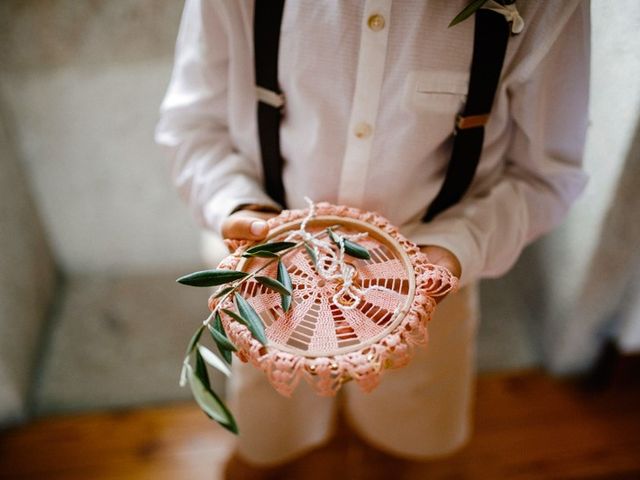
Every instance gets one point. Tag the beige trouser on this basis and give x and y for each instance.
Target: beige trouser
(419, 411)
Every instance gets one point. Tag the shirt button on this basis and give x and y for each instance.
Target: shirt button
(362, 130)
(376, 22)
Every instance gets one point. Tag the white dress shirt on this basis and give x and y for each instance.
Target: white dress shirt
(372, 90)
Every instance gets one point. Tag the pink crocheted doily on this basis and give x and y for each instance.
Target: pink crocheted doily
(328, 340)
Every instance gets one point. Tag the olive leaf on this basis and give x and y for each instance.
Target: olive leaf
(260, 253)
(350, 248)
(211, 278)
(219, 335)
(222, 347)
(285, 280)
(226, 354)
(247, 312)
(183, 372)
(254, 324)
(273, 284)
(225, 347)
(194, 340)
(222, 292)
(201, 370)
(212, 359)
(270, 247)
(467, 11)
(211, 403)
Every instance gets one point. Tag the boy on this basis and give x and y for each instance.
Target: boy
(372, 91)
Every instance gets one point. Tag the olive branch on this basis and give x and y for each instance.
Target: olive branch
(472, 7)
(194, 368)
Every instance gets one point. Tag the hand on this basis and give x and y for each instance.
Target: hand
(443, 257)
(246, 225)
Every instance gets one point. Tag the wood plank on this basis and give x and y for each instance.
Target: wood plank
(158, 443)
(528, 427)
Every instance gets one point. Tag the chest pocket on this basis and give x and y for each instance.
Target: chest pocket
(432, 92)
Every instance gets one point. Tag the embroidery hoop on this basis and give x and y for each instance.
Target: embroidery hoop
(317, 339)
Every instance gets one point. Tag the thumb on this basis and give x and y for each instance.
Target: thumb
(244, 228)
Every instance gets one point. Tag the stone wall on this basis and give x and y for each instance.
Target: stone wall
(80, 87)
(82, 83)
(27, 282)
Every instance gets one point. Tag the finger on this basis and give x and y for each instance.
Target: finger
(443, 257)
(245, 228)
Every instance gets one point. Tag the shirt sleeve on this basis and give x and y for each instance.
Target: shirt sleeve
(543, 172)
(209, 172)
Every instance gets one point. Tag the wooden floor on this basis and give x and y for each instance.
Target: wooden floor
(528, 427)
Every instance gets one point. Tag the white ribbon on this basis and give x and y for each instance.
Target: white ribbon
(510, 13)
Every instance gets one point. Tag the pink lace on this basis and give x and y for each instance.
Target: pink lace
(328, 344)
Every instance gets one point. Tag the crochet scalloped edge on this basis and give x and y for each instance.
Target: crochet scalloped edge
(365, 366)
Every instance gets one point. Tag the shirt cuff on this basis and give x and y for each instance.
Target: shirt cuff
(217, 210)
(453, 234)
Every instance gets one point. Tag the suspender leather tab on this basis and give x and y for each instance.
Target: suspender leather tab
(269, 97)
(471, 121)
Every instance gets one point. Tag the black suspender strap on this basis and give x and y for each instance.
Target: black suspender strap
(489, 47)
(266, 40)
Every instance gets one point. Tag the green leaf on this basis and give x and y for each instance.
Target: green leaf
(255, 332)
(213, 360)
(211, 403)
(235, 316)
(285, 280)
(226, 354)
(350, 248)
(273, 284)
(210, 278)
(356, 250)
(183, 372)
(311, 253)
(201, 370)
(225, 347)
(221, 339)
(194, 340)
(247, 312)
(467, 11)
(271, 247)
(248, 316)
(223, 292)
(260, 253)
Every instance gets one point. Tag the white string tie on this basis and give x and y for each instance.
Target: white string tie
(510, 12)
(331, 264)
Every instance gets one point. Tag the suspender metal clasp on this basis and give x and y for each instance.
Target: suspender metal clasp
(276, 100)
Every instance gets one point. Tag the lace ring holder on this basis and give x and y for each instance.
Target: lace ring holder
(333, 332)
